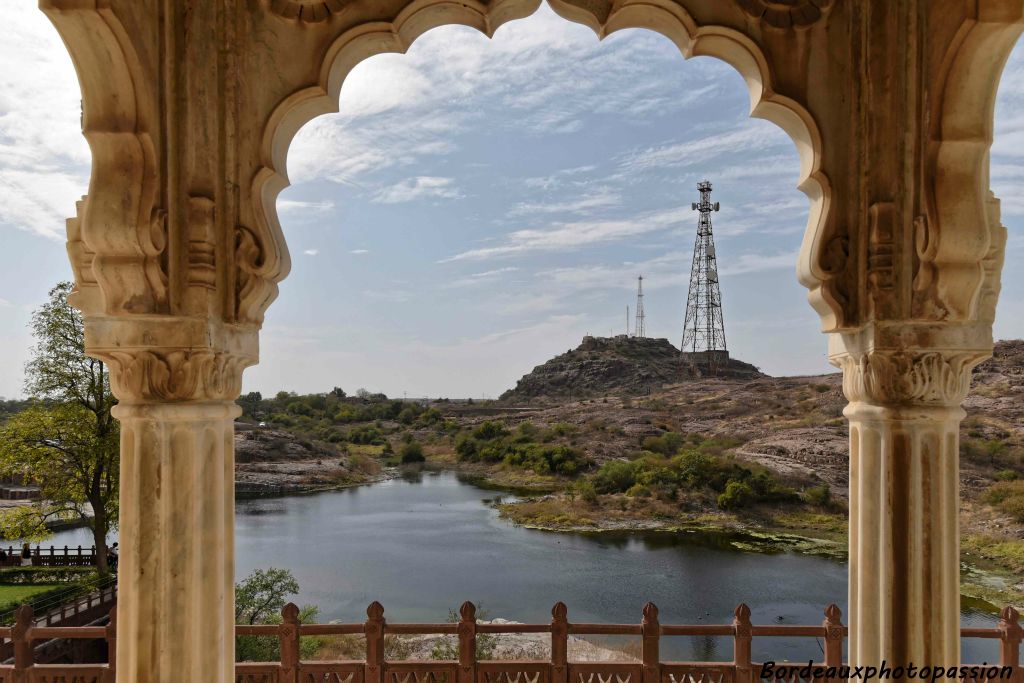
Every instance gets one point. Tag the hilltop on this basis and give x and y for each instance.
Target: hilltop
(602, 366)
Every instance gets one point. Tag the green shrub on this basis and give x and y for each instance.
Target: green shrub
(586, 491)
(819, 495)
(668, 443)
(737, 495)
(1007, 497)
(615, 476)
(411, 453)
(488, 430)
(43, 575)
(1007, 475)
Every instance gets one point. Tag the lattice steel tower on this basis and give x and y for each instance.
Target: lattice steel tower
(703, 330)
(638, 328)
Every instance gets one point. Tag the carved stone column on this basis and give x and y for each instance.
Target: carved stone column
(904, 581)
(176, 573)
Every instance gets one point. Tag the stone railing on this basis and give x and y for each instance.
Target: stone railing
(375, 668)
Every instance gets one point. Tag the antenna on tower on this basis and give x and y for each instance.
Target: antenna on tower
(703, 329)
(627, 320)
(638, 328)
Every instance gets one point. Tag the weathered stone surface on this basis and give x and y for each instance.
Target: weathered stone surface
(601, 366)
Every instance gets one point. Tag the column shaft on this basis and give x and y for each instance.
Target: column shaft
(176, 573)
(904, 537)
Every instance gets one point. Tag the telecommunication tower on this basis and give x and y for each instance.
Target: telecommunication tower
(638, 327)
(703, 330)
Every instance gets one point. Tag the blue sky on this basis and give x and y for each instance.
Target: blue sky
(477, 206)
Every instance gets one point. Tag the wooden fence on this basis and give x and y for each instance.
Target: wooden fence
(52, 556)
(467, 669)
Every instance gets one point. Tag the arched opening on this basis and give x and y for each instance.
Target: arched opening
(472, 245)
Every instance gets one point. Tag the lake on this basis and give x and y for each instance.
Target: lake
(424, 544)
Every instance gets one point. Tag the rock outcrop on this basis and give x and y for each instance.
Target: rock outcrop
(602, 366)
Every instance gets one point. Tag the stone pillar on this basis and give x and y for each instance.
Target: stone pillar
(904, 584)
(176, 569)
(175, 581)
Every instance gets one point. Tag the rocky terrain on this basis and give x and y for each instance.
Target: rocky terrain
(603, 365)
(272, 461)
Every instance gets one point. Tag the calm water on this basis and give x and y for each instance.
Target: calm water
(423, 546)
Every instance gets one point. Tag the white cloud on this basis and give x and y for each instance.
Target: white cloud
(359, 252)
(420, 187)
(567, 236)
(43, 156)
(601, 198)
(311, 252)
(288, 206)
(751, 137)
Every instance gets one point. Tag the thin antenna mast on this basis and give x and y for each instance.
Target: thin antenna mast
(638, 328)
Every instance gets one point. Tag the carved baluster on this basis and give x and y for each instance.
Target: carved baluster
(1010, 634)
(22, 645)
(741, 634)
(288, 634)
(651, 637)
(559, 643)
(374, 630)
(112, 647)
(467, 643)
(833, 625)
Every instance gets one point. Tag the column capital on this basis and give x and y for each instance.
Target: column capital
(901, 364)
(162, 359)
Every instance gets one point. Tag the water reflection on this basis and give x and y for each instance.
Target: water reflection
(425, 544)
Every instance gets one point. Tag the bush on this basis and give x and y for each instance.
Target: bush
(1007, 475)
(466, 447)
(616, 476)
(40, 575)
(411, 452)
(1007, 497)
(737, 495)
(668, 443)
(819, 495)
(586, 491)
(488, 430)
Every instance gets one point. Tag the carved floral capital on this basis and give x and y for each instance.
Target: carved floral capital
(926, 378)
(172, 375)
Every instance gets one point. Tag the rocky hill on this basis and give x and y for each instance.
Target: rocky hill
(601, 366)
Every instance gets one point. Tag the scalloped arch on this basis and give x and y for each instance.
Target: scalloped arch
(961, 244)
(661, 16)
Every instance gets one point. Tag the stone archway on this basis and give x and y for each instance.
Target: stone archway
(188, 108)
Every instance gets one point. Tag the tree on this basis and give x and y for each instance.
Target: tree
(66, 442)
(259, 599)
(250, 403)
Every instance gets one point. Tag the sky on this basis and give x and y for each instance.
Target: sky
(479, 205)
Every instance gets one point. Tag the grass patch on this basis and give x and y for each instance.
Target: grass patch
(18, 594)
(1004, 553)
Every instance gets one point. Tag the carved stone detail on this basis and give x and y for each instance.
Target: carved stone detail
(87, 296)
(201, 276)
(255, 287)
(887, 378)
(171, 375)
(306, 10)
(786, 13)
(881, 275)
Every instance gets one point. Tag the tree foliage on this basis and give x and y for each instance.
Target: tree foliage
(67, 441)
(259, 599)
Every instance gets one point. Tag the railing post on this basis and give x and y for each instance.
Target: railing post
(374, 630)
(742, 635)
(559, 643)
(112, 647)
(1010, 634)
(467, 643)
(650, 630)
(833, 625)
(288, 633)
(22, 645)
